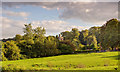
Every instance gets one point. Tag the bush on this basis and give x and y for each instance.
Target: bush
(66, 47)
(11, 50)
(2, 57)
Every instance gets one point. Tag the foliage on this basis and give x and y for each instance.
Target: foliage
(75, 33)
(51, 46)
(11, 50)
(91, 40)
(34, 43)
(82, 36)
(81, 46)
(72, 36)
(3, 58)
(28, 32)
(26, 47)
(67, 35)
(109, 34)
(96, 32)
(18, 37)
(66, 47)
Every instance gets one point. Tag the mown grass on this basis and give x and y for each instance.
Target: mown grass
(90, 61)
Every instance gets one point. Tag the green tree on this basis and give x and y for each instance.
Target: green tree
(91, 40)
(75, 33)
(82, 36)
(96, 32)
(39, 31)
(109, 34)
(39, 39)
(66, 47)
(81, 46)
(29, 32)
(67, 35)
(51, 46)
(26, 47)
(11, 51)
(2, 51)
(18, 37)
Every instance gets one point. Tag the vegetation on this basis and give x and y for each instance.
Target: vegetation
(34, 44)
(91, 61)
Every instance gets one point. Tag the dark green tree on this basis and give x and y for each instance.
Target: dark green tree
(82, 36)
(51, 45)
(39, 39)
(11, 51)
(66, 47)
(67, 35)
(18, 37)
(109, 34)
(91, 40)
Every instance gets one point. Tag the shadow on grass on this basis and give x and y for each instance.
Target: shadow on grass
(117, 57)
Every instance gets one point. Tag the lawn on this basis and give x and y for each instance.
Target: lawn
(90, 61)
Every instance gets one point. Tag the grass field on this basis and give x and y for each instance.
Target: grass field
(90, 61)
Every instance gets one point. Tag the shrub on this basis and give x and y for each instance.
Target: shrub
(66, 47)
(11, 50)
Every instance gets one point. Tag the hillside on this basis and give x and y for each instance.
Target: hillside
(90, 61)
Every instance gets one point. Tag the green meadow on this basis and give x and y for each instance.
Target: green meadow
(83, 61)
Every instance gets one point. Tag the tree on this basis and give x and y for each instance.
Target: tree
(39, 39)
(96, 32)
(81, 46)
(2, 56)
(82, 36)
(18, 37)
(75, 33)
(109, 34)
(11, 50)
(28, 32)
(91, 40)
(51, 46)
(67, 35)
(26, 47)
(66, 47)
(38, 49)
(39, 31)
(76, 43)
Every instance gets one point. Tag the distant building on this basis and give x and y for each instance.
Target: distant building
(60, 37)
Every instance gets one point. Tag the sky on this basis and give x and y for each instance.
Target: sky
(55, 17)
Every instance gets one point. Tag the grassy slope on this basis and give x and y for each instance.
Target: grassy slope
(91, 61)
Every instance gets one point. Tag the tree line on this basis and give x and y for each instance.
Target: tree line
(34, 43)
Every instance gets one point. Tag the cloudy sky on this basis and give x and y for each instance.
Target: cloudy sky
(55, 17)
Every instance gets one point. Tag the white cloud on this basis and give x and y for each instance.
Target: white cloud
(11, 27)
(78, 27)
(10, 23)
(91, 12)
(60, 0)
(56, 26)
(52, 26)
(16, 14)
